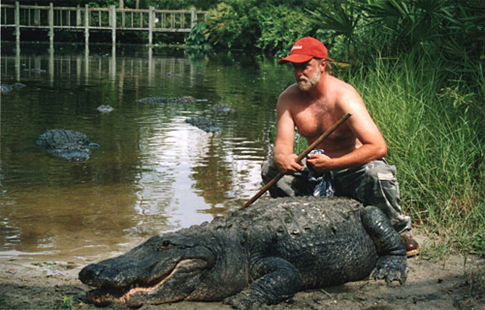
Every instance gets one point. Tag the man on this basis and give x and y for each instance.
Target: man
(352, 162)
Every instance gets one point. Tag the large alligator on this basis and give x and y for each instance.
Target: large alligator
(68, 144)
(204, 123)
(161, 100)
(259, 255)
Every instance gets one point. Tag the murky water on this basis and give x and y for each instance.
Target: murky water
(153, 172)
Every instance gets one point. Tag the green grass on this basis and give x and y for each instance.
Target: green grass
(434, 138)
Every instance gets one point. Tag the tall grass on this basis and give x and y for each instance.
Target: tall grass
(434, 138)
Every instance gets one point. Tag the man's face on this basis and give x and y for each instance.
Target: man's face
(307, 74)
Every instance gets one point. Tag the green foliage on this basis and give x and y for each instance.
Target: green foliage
(102, 3)
(233, 26)
(478, 244)
(197, 37)
(280, 28)
(434, 139)
(184, 4)
(66, 302)
(337, 21)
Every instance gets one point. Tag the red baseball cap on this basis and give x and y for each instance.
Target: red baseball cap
(304, 50)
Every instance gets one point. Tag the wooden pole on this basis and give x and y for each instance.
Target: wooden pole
(150, 25)
(86, 25)
(17, 22)
(37, 17)
(193, 17)
(299, 158)
(113, 24)
(51, 23)
(78, 16)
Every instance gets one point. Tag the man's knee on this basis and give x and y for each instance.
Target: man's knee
(268, 170)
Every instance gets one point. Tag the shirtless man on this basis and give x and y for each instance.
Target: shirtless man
(353, 155)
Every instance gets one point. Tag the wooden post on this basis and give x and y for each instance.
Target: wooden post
(193, 17)
(150, 25)
(17, 22)
(17, 61)
(78, 15)
(86, 25)
(51, 23)
(113, 24)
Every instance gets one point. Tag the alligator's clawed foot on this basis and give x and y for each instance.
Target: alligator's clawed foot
(390, 268)
(243, 301)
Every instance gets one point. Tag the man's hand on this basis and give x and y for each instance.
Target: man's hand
(320, 162)
(287, 163)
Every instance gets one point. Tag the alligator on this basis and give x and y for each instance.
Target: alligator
(160, 100)
(223, 108)
(104, 108)
(68, 144)
(35, 70)
(259, 255)
(204, 123)
(6, 88)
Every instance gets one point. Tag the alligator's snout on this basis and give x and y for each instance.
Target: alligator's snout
(89, 272)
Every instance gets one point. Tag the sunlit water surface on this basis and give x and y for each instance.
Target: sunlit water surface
(153, 172)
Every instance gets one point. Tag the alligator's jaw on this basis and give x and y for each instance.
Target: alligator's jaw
(105, 295)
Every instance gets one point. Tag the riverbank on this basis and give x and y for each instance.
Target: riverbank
(450, 282)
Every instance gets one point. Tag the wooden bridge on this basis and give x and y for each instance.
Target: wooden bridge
(112, 19)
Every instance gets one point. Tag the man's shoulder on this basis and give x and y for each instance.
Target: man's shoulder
(289, 94)
(343, 91)
(291, 90)
(338, 84)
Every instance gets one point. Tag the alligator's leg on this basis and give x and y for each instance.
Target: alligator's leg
(275, 281)
(391, 249)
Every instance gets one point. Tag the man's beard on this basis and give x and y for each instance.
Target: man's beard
(307, 84)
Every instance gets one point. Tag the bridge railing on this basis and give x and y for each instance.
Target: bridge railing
(85, 18)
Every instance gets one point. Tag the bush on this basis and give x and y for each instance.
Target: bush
(233, 26)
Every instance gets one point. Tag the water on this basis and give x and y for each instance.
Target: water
(153, 172)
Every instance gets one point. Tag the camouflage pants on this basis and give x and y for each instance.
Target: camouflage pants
(374, 184)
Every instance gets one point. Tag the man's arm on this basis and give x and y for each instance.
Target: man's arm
(284, 156)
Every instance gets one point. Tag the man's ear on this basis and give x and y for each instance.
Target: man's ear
(323, 65)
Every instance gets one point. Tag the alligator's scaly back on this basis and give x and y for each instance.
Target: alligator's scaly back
(308, 231)
(68, 144)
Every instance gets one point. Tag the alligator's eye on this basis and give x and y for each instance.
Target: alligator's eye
(166, 244)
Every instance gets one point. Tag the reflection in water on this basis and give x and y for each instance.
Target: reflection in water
(153, 172)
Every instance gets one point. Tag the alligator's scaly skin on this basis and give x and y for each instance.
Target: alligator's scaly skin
(262, 254)
(161, 100)
(68, 144)
(204, 123)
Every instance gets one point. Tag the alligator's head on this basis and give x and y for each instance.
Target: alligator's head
(164, 269)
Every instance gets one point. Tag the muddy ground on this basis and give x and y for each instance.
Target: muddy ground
(433, 283)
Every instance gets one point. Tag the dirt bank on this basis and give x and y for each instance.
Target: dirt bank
(446, 283)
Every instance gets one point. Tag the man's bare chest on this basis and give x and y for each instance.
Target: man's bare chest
(312, 122)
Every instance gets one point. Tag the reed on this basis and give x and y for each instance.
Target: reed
(434, 132)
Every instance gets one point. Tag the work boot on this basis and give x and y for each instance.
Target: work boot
(412, 246)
